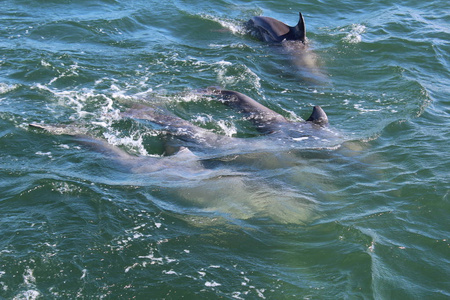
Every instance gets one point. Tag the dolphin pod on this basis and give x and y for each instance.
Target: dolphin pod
(276, 132)
(267, 121)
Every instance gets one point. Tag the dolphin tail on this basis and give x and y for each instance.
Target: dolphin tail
(299, 30)
(318, 116)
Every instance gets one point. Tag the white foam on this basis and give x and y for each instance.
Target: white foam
(212, 284)
(127, 141)
(260, 293)
(102, 124)
(139, 226)
(127, 269)
(30, 282)
(203, 119)
(190, 97)
(99, 105)
(364, 110)
(98, 109)
(214, 266)
(5, 88)
(224, 63)
(236, 295)
(229, 74)
(300, 138)
(84, 273)
(28, 295)
(49, 154)
(64, 188)
(231, 25)
(71, 71)
(64, 146)
(229, 129)
(153, 259)
(354, 36)
(233, 46)
(73, 99)
(45, 64)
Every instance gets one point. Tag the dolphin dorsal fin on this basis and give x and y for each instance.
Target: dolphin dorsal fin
(318, 116)
(299, 30)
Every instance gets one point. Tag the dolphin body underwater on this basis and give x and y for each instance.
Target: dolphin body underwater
(194, 176)
(294, 42)
(187, 184)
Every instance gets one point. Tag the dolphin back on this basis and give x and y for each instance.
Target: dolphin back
(269, 29)
(256, 112)
(272, 30)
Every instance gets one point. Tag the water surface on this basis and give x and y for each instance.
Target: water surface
(364, 218)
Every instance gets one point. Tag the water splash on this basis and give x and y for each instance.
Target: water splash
(355, 34)
(6, 88)
(232, 25)
(229, 74)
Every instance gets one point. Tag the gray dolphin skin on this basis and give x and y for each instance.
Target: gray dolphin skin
(134, 164)
(190, 135)
(271, 30)
(294, 42)
(277, 131)
(194, 178)
(265, 118)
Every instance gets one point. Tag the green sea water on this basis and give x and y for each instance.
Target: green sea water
(364, 215)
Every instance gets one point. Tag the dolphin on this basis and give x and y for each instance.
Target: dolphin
(134, 164)
(275, 126)
(271, 30)
(294, 42)
(197, 186)
(191, 136)
(266, 119)
(277, 132)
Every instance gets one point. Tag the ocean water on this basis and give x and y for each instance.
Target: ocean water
(360, 211)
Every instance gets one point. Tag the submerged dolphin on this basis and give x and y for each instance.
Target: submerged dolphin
(272, 30)
(134, 164)
(206, 188)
